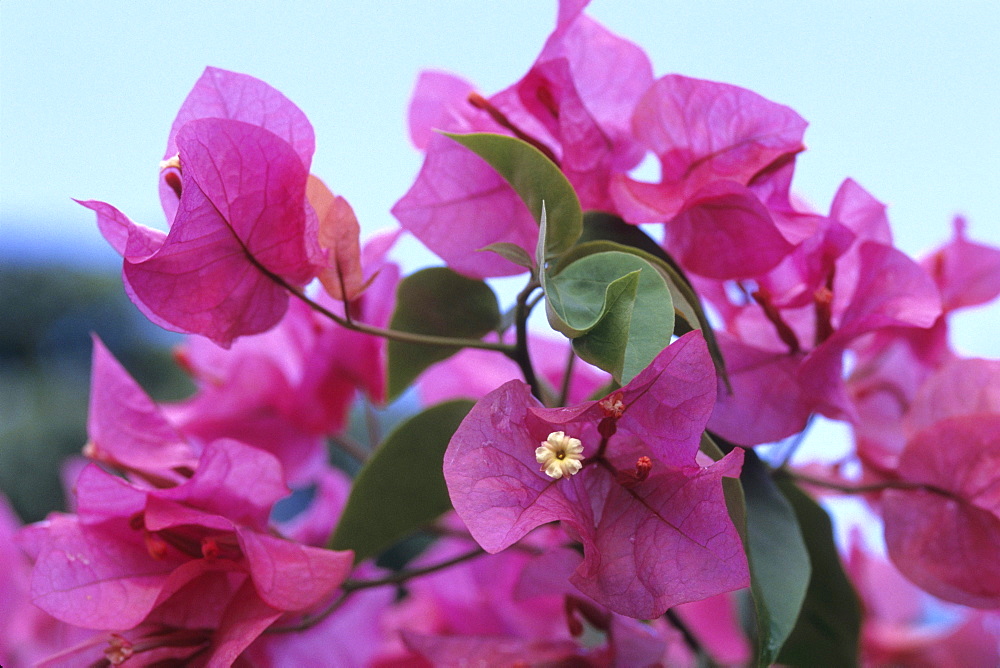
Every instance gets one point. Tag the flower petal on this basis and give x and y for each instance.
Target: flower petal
(947, 542)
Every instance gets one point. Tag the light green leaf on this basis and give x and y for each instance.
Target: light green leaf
(511, 252)
(602, 226)
(540, 254)
(585, 292)
(685, 301)
(606, 344)
(779, 561)
(830, 622)
(401, 488)
(436, 301)
(535, 179)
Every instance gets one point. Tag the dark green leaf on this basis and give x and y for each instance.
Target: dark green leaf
(602, 226)
(580, 296)
(779, 561)
(535, 178)
(439, 302)
(732, 488)
(401, 488)
(831, 615)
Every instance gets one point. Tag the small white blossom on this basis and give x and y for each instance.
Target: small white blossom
(174, 162)
(560, 455)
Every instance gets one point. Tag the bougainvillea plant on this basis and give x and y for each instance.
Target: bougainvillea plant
(379, 469)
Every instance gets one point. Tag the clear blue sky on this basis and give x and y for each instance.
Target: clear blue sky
(901, 96)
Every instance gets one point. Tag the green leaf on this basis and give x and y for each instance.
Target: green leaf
(709, 447)
(436, 301)
(682, 297)
(779, 561)
(603, 226)
(555, 320)
(540, 254)
(830, 622)
(605, 232)
(535, 179)
(401, 488)
(511, 252)
(606, 344)
(586, 302)
(732, 488)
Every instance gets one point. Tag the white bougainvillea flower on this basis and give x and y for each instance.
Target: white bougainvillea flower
(560, 455)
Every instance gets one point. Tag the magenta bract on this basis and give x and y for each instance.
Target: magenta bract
(284, 390)
(573, 104)
(703, 132)
(626, 517)
(517, 604)
(474, 373)
(134, 552)
(903, 625)
(968, 273)
(241, 231)
(724, 232)
(230, 95)
(907, 379)
(945, 537)
(785, 340)
(126, 428)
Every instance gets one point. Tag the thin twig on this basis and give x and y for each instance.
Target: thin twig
(310, 621)
(689, 638)
(402, 576)
(865, 488)
(350, 446)
(397, 335)
(392, 334)
(567, 377)
(350, 586)
(521, 312)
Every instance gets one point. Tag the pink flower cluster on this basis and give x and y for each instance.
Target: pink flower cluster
(571, 522)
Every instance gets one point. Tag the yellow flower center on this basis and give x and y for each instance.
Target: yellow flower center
(560, 455)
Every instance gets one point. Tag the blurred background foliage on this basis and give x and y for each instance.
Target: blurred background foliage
(49, 313)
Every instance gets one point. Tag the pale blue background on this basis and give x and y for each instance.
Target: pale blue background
(901, 96)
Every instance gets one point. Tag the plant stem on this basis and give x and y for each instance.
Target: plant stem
(689, 638)
(520, 354)
(351, 586)
(402, 576)
(392, 334)
(397, 335)
(567, 377)
(351, 447)
(862, 489)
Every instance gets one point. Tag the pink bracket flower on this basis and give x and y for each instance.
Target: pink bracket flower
(241, 230)
(653, 523)
(784, 344)
(179, 556)
(573, 105)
